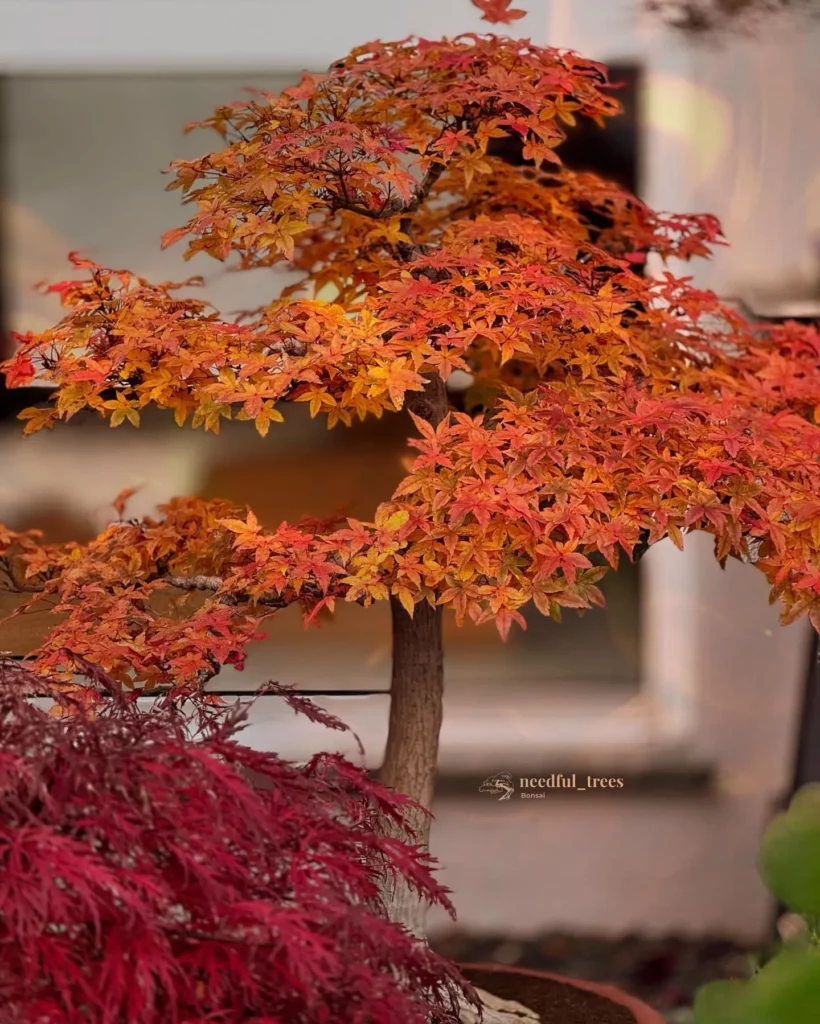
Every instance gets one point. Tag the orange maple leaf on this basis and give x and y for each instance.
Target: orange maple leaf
(499, 12)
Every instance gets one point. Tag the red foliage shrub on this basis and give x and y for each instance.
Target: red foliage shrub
(154, 869)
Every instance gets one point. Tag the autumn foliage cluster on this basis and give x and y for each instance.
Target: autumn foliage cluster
(608, 409)
(155, 870)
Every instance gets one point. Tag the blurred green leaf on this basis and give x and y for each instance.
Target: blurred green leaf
(807, 798)
(721, 1002)
(789, 861)
(785, 991)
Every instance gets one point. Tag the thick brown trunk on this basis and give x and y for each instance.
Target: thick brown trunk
(416, 691)
(409, 765)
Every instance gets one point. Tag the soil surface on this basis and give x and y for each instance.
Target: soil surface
(553, 1001)
(663, 972)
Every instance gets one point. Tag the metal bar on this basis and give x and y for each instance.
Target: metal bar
(807, 744)
(256, 693)
(303, 693)
(807, 757)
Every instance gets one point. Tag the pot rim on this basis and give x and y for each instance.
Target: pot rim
(643, 1013)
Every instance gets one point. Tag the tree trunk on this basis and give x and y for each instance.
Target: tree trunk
(416, 691)
(411, 754)
(409, 765)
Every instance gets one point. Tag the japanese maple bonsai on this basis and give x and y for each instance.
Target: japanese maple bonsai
(155, 869)
(608, 409)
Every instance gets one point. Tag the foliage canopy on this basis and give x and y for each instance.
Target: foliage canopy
(608, 409)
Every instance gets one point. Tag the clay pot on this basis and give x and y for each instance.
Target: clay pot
(561, 1000)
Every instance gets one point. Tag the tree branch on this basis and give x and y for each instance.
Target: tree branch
(274, 601)
(397, 207)
(215, 583)
(434, 172)
(431, 404)
(290, 346)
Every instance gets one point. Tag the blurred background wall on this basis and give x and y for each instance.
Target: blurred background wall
(686, 681)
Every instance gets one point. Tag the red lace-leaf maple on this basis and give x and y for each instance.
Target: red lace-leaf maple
(154, 869)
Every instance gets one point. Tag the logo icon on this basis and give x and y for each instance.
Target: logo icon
(500, 785)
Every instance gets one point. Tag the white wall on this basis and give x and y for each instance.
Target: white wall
(760, 167)
(733, 129)
(83, 170)
(665, 864)
(177, 35)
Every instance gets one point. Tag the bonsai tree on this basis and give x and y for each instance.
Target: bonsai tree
(153, 869)
(608, 409)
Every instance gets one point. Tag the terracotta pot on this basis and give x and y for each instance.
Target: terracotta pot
(546, 993)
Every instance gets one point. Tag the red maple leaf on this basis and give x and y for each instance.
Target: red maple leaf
(499, 12)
